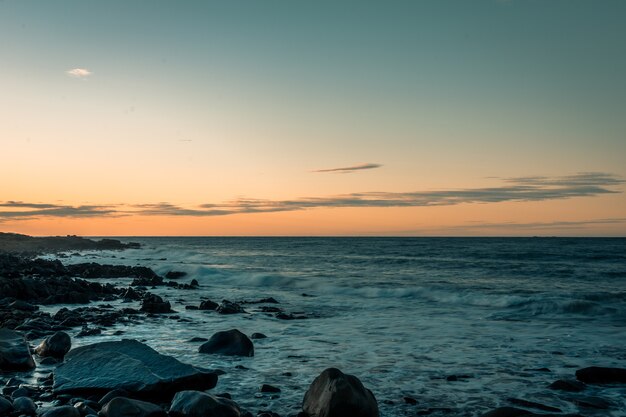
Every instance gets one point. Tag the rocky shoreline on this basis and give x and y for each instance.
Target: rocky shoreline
(128, 378)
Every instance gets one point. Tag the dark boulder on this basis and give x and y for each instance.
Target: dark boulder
(14, 352)
(600, 375)
(175, 274)
(257, 336)
(112, 394)
(126, 407)
(531, 404)
(335, 394)
(62, 411)
(231, 343)
(228, 307)
(55, 346)
(267, 388)
(567, 385)
(200, 404)
(208, 305)
(86, 407)
(23, 305)
(129, 365)
(154, 304)
(25, 406)
(5, 406)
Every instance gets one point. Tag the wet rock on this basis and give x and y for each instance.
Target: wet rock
(85, 408)
(14, 352)
(567, 385)
(130, 365)
(48, 361)
(228, 307)
(130, 294)
(532, 404)
(592, 402)
(197, 339)
(55, 346)
(175, 274)
(126, 407)
(269, 388)
(231, 343)
(94, 270)
(410, 400)
(23, 305)
(208, 305)
(154, 304)
(147, 282)
(62, 411)
(88, 331)
(270, 309)
(6, 407)
(21, 392)
(24, 405)
(334, 394)
(200, 404)
(194, 283)
(257, 336)
(112, 394)
(290, 316)
(600, 375)
(268, 300)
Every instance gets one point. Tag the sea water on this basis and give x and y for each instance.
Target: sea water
(506, 316)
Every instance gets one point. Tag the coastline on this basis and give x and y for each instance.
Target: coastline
(60, 280)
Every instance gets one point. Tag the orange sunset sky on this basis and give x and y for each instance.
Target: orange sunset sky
(322, 118)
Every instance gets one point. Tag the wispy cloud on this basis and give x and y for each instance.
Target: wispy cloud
(78, 72)
(590, 184)
(17, 210)
(348, 170)
(572, 224)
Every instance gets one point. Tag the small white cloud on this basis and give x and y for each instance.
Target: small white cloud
(79, 72)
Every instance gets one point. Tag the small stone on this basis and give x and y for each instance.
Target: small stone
(269, 388)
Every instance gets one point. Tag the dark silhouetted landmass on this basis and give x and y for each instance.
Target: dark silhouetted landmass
(17, 243)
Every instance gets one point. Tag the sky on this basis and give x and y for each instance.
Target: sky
(395, 118)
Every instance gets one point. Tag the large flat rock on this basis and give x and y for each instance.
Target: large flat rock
(14, 352)
(128, 365)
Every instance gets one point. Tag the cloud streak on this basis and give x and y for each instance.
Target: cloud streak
(349, 170)
(17, 210)
(591, 184)
(78, 72)
(573, 224)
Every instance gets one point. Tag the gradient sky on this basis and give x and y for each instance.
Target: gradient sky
(313, 118)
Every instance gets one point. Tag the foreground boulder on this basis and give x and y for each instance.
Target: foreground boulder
(200, 404)
(128, 365)
(335, 394)
(55, 346)
(126, 407)
(5, 406)
(14, 352)
(231, 343)
(599, 375)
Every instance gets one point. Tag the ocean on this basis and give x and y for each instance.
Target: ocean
(460, 324)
